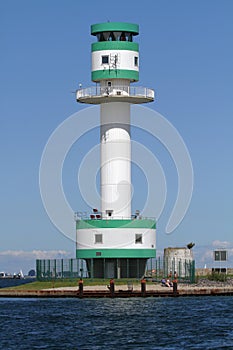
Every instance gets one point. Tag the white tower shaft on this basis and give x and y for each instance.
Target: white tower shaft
(115, 167)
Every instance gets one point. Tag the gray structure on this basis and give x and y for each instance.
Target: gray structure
(178, 260)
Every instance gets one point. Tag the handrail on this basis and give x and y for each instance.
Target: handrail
(131, 91)
(79, 216)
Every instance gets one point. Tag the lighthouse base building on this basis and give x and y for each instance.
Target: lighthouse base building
(116, 248)
(113, 242)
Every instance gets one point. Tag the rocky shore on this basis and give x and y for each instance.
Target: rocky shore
(204, 282)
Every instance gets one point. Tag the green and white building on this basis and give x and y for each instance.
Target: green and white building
(114, 243)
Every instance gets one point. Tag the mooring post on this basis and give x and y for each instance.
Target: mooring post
(175, 282)
(80, 288)
(143, 287)
(112, 287)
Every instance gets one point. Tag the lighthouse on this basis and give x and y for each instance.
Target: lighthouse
(114, 242)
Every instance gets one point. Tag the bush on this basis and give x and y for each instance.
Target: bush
(219, 277)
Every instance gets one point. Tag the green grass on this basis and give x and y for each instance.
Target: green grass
(38, 285)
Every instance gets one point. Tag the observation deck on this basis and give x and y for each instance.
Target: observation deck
(98, 94)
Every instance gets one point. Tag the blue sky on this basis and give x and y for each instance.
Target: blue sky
(186, 55)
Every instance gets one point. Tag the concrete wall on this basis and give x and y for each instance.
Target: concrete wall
(177, 259)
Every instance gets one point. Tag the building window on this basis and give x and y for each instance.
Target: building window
(98, 238)
(105, 59)
(138, 238)
(220, 255)
(136, 61)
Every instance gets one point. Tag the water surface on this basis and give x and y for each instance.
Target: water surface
(136, 323)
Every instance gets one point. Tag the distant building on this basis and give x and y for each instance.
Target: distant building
(220, 260)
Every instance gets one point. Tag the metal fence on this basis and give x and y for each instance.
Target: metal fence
(160, 268)
(156, 269)
(60, 268)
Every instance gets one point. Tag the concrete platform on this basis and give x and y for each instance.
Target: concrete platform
(120, 292)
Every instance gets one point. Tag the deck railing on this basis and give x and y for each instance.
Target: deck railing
(98, 216)
(131, 91)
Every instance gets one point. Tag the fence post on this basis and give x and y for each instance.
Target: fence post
(62, 269)
(38, 269)
(192, 279)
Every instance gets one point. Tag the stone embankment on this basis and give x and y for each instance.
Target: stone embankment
(204, 282)
(202, 288)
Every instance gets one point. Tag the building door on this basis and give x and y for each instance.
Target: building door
(109, 269)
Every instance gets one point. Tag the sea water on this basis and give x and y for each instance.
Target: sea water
(136, 323)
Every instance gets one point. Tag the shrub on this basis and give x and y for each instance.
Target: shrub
(219, 277)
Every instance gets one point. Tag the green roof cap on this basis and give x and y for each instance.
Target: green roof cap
(114, 27)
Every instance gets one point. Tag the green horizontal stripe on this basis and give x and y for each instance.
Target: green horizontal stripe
(115, 74)
(114, 45)
(141, 223)
(114, 27)
(115, 253)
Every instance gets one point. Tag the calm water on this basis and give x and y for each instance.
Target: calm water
(152, 323)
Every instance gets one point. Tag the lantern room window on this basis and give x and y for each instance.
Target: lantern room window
(115, 36)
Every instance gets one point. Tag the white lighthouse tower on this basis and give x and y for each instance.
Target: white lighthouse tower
(112, 241)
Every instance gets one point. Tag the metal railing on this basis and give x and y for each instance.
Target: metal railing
(131, 91)
(156, 269)
(161, 268)
(98, 216)
(49, 269)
